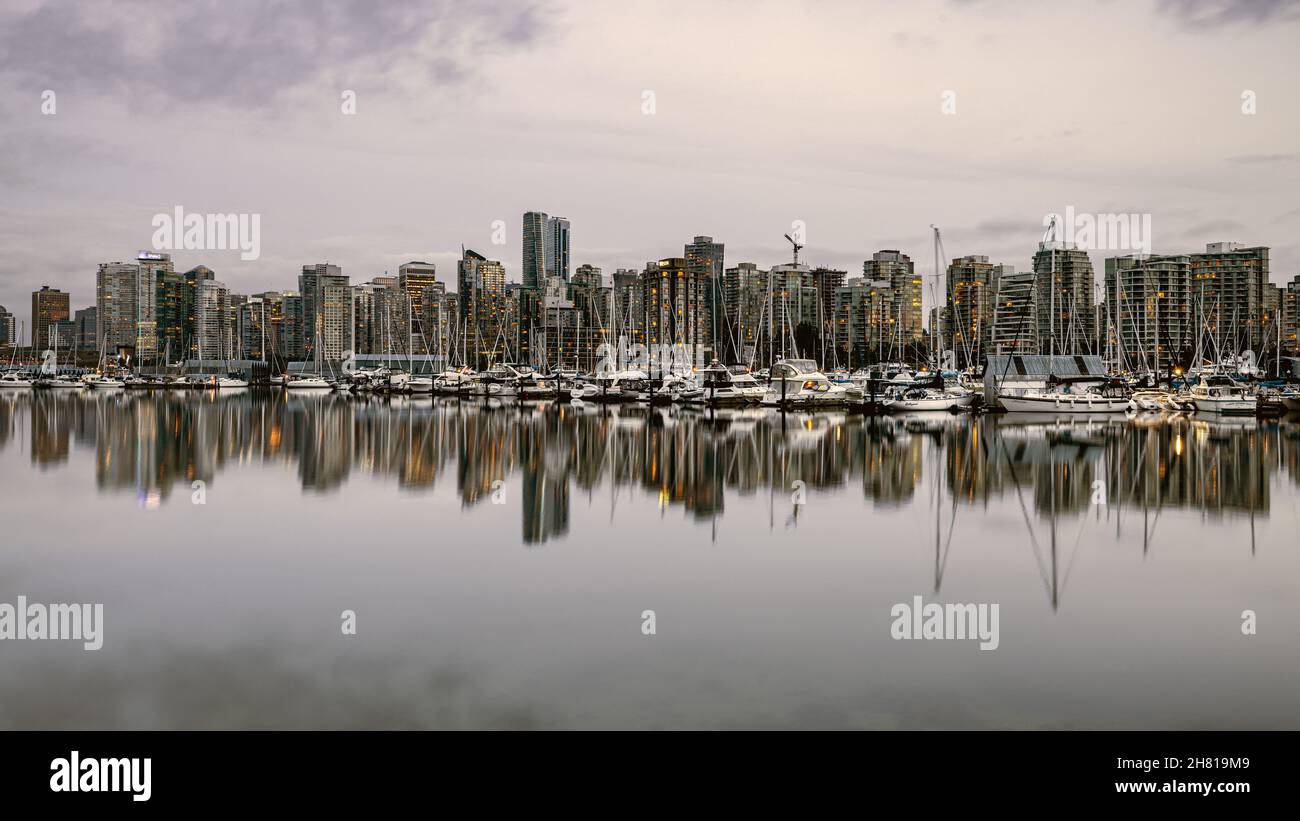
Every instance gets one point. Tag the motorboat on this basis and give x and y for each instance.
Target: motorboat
(57, 382)
(104, 382)
(308, 382)
(14, 380)
(609, 387)
(1149, 401)
(797, 383)
(719, 386)
(1222, 394)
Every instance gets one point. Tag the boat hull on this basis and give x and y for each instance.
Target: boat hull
(1080, 404)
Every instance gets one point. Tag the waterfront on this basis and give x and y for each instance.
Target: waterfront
(499, 558)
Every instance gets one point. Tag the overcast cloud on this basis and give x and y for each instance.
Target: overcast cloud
(826, 112)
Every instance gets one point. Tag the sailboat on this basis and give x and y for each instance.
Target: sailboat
(311, 381)
(55, 379)
(14, 379)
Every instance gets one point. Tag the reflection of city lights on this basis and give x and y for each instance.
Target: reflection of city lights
(1178, 444)
(149, 499)
(663, 498)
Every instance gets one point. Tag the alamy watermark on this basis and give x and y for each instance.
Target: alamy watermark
(65, 622)
(946, 621)
(1102, 232)
(179, 231)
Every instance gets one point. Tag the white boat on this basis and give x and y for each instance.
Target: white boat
(453, 382)
(797, 383)
(608, 387)
(101, 382)
(1149, 401)
(539, 386)
(13, 380)
(1220, 394)
(720, 386)
(224, 382)
(420, 384)
(57, 382)
(927, 399)
(1061, 401)
(308, 382)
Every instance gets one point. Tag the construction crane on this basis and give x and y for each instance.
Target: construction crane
(797, 246)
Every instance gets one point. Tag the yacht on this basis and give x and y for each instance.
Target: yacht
(1222, 394)
(308, 382)
(720, 386)
(453, 382)
(1069, 399)
(420, 384)
(609, 387)
(797, 383)
(539, 386)
(14, 380)
(102, 382)
(926, 399)
(57, 382)
(1149, 401)
(225, 382)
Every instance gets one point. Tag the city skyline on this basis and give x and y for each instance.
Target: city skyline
(363, 191)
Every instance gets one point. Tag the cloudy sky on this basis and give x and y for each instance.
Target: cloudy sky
(764, 113)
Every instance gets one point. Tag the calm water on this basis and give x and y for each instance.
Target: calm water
(499, 559)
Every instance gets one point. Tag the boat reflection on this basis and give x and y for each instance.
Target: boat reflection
(1051, 469)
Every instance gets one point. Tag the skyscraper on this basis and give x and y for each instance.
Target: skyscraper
(86, 321)
(151, 267)
(326, 311)
(117, 301)
(534, 249)
(704, 262)
(557, 247)
(905, 289)
(49, 305)
(1229, 281)
(414, 278)
(1291, 316)
(1015, 317)
(1064, 297)
(970, 308)
(8, 328)
(212, 320)
(1149, 304)
(481, 283)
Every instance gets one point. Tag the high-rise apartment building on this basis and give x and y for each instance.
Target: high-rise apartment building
(557, 247)
(969, 318)
(1149, 309)
(8, 328)
(326, 312)
(1015, 315)
(481, 283)
(1228, 283)
(415, 278)
(534, 249)
(212, 320)
(1064, 299)
(905, 286)
(865, 322)
(49, 305)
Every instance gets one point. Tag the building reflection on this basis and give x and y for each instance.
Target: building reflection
(148, 444)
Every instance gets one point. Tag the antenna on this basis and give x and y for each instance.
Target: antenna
(797, 246)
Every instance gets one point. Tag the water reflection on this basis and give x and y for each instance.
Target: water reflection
(152, 445)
